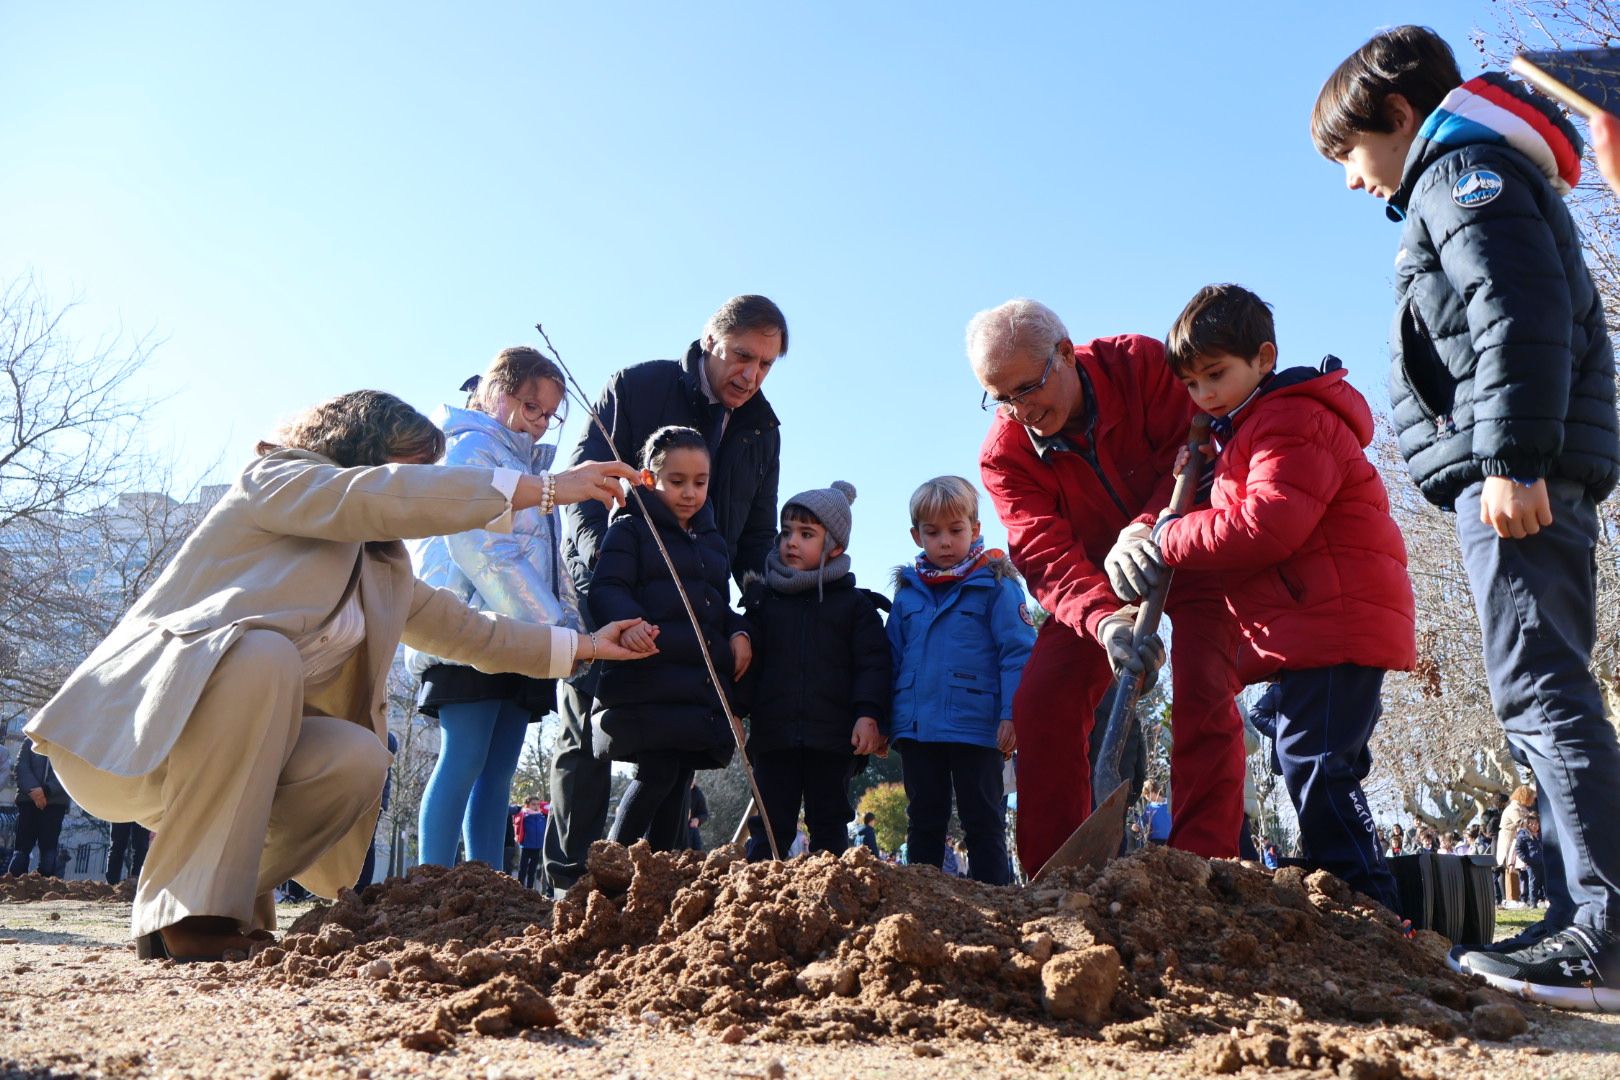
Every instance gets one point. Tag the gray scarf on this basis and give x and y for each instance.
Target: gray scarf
(785, 579)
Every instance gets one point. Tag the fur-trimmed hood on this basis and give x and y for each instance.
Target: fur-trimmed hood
(999, 566)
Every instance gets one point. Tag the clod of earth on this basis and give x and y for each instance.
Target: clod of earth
(1149, 952)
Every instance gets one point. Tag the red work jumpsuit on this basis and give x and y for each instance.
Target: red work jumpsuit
(1064, 504)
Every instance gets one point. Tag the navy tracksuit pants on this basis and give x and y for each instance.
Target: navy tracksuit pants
(1537, 605)
(1324, 718)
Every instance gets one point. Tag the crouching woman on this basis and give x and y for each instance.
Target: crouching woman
(238, 709)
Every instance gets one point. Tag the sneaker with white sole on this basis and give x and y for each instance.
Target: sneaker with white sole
(1576, 968)
(1457, 959)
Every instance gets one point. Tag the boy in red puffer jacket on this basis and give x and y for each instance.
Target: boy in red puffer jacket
(1299, 520)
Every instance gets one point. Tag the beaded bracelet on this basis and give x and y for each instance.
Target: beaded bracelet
(548, 493)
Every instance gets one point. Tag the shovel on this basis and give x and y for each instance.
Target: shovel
(1099, 837)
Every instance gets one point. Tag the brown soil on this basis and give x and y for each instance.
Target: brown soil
(693, 968)
(1159, 950)
(30, 887)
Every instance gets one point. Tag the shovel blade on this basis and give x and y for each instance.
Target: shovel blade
(1096, 840)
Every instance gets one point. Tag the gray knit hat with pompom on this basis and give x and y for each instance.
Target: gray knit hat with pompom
(830, 505)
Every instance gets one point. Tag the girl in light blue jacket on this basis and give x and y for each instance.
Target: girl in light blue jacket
(483, 718)
(960, 632)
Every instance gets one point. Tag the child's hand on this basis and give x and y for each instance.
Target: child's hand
(742, 654)
(883, 748)
(1006, 738)
(866, 738)
(641, 638)
(1513, 509)
(1207, 449)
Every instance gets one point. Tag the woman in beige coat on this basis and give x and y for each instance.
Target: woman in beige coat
(238, 708)
(1521, 805)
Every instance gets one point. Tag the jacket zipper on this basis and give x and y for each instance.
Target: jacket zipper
(1422, 331)
(1090, 454)
(1090, 451)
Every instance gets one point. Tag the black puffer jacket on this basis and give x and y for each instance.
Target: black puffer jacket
(666, 703)
(820, 664)
(1502, 361)
(639, 400)
(34, 770)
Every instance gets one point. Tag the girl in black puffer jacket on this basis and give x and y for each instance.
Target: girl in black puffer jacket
(667, 717)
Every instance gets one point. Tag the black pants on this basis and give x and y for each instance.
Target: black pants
(814, 779)
(654, 805)
(1324, 718)
(580, 788)
(932, 770)
(529, 867)
(37, 827)
(130, 839)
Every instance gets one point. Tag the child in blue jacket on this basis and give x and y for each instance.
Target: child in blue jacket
(960, 632)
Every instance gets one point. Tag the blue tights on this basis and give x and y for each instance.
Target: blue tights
(471, 785)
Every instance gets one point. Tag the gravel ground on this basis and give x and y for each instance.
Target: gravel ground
(77, 1003)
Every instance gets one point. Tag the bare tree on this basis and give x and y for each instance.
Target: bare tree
(417, 737)
(73, 555)
(67, 420)
(67, 578)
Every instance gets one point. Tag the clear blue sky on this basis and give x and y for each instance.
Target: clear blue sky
(303, 199)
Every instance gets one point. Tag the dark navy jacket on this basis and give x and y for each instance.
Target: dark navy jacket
(639, 400)
(820, 664)
(1502, 362)
(666, 703)
(34, 770)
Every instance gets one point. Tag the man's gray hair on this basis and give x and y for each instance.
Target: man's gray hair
(1018, 326)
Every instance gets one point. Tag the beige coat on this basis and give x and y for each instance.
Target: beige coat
(280, 552)
(1508, 830)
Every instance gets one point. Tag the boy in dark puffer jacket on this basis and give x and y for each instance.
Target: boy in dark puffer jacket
(820, 686)
(1316, 568)
(666, 717)
(1503, 394)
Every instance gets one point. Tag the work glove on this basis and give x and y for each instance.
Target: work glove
(1117, 633)
(1134, 565)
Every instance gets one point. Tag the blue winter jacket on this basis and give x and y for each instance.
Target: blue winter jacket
(959, 651)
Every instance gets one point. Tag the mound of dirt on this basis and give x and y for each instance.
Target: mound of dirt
(31, 887)
(1154, 950)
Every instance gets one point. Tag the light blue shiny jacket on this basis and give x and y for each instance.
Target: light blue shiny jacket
(959, 652)
(518, 573)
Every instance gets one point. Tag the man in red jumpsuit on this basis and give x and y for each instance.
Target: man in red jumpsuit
(1078, 462)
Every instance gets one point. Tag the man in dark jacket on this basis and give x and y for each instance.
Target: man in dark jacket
(714, 389)
(1503, 394)
(42, 803)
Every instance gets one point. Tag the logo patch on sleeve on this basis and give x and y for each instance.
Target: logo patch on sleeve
(1023, 613)
(1476, 188)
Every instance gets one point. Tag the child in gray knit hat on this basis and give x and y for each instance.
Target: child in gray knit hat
(824, 511)
(820, 680)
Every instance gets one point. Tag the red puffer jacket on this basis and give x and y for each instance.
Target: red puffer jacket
(1300, 520)
(1065, 501)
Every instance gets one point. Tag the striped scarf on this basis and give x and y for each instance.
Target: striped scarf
(977, 556)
